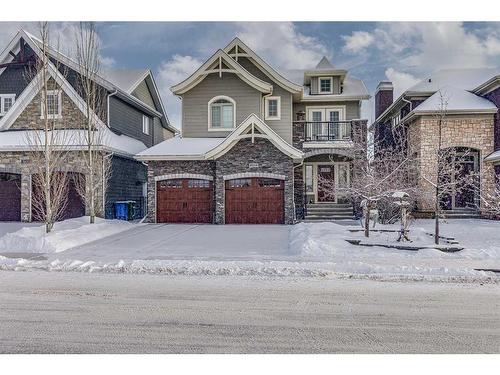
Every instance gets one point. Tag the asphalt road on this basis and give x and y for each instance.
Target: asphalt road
(44, 312)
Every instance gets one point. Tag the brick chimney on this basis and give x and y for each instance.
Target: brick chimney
(383, 97)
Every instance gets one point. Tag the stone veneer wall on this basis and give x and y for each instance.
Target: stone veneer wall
(474, 131)
(258, 157)
(22, 163)
(241, 158)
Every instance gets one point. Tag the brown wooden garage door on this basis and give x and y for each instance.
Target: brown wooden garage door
(10, 197)
(75, 206)
(184, 201)
(255, 201)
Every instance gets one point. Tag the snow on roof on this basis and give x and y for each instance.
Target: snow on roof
(457, 100)
(71, 139)
(125, 79)
(178, 146)
(467, 79)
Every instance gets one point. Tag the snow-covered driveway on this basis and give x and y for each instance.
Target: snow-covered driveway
(185, 241)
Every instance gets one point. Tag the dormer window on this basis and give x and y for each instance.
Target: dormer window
(6, 102)
(221, 113)
(325, 85)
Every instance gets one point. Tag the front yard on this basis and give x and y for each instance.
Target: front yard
(302, 250)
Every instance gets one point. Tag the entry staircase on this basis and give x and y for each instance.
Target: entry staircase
(461, 213)
(316, 212)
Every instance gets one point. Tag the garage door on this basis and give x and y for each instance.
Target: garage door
(184, 201)
(255, 201)
(10, 197)
(75, 206)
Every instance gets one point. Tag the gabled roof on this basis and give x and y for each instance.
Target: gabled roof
(241, 49)
(467, 79)
(179, 148)
(34, 88)
(324, 64)
(457, 100)
(36, 43)
(125, 79)
(223, 64)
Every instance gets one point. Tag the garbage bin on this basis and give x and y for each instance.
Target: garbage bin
(124, 210)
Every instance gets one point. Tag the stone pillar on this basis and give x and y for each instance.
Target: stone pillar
(25, 197)
(220, 192)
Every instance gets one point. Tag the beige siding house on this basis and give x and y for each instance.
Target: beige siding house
(254, 144)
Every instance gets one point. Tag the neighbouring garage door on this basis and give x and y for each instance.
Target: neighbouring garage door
(10, 197)
(255, 201)
(184, 201)
(75, 206)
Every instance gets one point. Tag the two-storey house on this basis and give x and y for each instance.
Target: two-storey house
(254, 143)
(132, 120)
(469, 101)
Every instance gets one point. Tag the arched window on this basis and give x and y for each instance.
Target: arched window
(221, 113)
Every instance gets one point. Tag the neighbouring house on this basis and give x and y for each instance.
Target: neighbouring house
(253, 143)
(471, 99)
(133, 120)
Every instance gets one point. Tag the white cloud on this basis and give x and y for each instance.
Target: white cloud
(357, 41)
(400, 80)
(171, 72)
(281, 45)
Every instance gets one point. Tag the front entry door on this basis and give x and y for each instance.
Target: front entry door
(326, 183)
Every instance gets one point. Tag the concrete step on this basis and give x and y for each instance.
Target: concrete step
(461, 214)
(328, 217)
(346, 221)
(332, 210)
(329, 205)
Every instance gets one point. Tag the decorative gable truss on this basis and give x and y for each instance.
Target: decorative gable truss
(221, 63)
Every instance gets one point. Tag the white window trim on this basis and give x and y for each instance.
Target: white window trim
(59, 100)
(6, 96)
(215, 98)
(331, 85)
(146, 120)
(266, 108)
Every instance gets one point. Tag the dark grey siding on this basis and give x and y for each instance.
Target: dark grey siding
(125, 119)
(13, 80)
(126, 183)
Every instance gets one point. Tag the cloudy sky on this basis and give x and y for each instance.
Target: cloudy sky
(400, 52)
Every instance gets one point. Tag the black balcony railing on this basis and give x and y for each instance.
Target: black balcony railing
(327, 131)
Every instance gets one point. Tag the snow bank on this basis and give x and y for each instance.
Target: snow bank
(66, 234)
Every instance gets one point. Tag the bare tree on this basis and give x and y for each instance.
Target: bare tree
(489, 197)
(96, 163)
(374, 180)
(449, 177)
(48, 140)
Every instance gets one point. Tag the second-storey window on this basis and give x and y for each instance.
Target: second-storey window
(221, 113)
(6, 102)
(145, 125)
(272, 108)
(325, 85)
(54, 104)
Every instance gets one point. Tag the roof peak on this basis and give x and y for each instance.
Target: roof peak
(324, 63)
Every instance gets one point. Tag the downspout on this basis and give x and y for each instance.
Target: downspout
(407, 101)
(107, 109)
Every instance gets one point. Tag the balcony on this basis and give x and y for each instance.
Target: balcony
(311, 134)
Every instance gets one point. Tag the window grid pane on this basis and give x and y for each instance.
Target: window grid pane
(272, 108)
(325, 85)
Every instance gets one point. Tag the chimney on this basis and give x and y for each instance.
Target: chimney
(383, 97)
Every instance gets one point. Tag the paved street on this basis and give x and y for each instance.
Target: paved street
(42, 312)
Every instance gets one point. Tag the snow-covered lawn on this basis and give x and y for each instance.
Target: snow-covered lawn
(306, 249)
(31, 238)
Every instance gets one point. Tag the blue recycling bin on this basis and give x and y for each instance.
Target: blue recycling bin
(124, 210)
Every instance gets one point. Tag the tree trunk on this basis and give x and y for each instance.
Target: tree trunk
(367, 221)
(436, 220)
